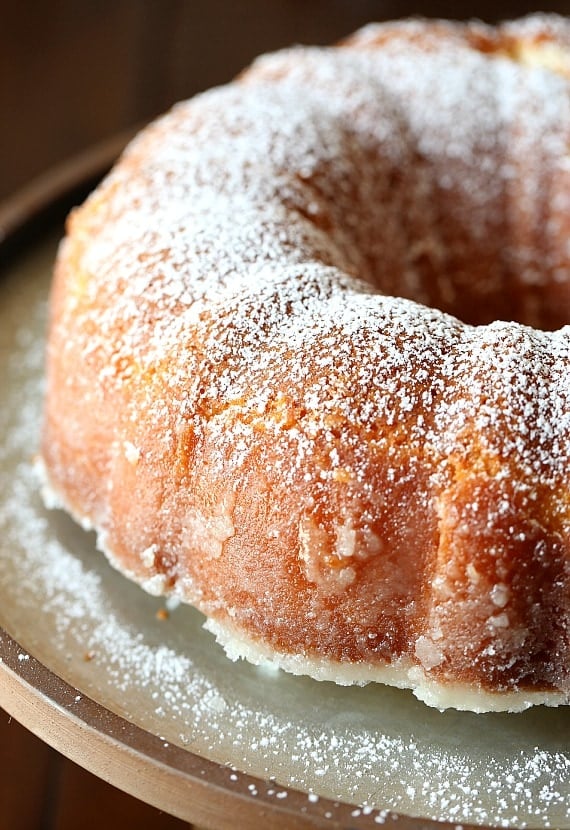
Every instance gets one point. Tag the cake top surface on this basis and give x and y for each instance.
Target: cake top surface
(240, 229)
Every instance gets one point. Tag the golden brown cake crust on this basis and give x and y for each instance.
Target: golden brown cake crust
(275, 387)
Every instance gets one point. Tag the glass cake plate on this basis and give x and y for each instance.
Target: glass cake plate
(140, 693)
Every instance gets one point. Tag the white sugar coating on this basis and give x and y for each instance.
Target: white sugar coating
(247, 354)
(241, 232)
(378, 750)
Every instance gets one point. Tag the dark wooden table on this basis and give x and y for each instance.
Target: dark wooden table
(71, 74)
(42, 790)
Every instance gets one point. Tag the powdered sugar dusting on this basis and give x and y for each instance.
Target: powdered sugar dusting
(216, 243)
(375, 748)
(268, 287)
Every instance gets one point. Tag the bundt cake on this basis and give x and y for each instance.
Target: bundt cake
(308, 365)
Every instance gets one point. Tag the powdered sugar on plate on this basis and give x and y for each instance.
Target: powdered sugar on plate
(377, 748)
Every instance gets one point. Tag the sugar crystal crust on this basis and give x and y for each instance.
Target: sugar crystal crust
(280, 382)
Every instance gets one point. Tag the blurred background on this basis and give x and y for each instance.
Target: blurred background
(74, 73)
